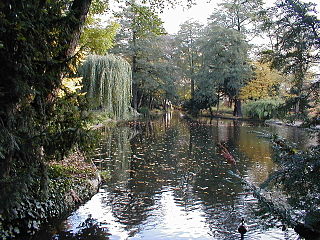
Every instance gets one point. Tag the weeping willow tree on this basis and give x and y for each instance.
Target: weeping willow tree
(107, 80)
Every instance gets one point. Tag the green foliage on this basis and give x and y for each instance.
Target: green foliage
(187, 52)
(138, 22)
(105, 175)
(262, 109)
(97, 36)
(226, 62)
(98, 7)
(99, 117)
(142, 43)
(58, 171)
(28, 210)
(69, 120)
(32, 60)
(298, 175)
(97, 39)
(295, 28)
(107, 82)
(37, 122)
(225, 68)
(144, 110)
(242, 16)
(155, 71)
(143, 21)
(205, 97)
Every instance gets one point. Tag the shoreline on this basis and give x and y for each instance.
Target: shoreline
(71, 182)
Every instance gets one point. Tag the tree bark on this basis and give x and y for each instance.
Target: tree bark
(140, 100)
(134, 70)
(218, 103)
(237, 112)
(134, 83)
(77, 17)
(211, 112)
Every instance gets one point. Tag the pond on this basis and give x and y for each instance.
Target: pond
(169, 181)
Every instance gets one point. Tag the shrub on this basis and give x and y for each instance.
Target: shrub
(144, 110)
(262, 109)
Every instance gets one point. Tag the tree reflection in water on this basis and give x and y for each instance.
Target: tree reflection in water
(90, 229)
(170, 168)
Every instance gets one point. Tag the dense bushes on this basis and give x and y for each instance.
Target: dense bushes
(69, 183)
(298, 175)
(262, 109)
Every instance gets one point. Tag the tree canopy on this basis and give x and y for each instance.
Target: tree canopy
(297, 44)
(107, 83)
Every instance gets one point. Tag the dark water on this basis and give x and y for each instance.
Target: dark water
(169, 182)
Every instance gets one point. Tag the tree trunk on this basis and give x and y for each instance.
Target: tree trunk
(297, 106)
(192, 87)
(150, 102)
(211, 112)
(230, 102)
(78, 13)
(134, 71)
(140, 100)
(237, 112)
(218, 103)
(135, 96)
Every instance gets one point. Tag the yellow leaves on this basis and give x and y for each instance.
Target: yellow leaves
(265, 84)
(77, 60)
(71, 85)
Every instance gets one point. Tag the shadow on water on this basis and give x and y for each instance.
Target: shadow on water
(90, 229)
(168, 181)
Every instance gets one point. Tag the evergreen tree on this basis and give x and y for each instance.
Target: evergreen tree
(244, 17)
(187, 51)
(140, 27)
(225, 65)
(296, 29)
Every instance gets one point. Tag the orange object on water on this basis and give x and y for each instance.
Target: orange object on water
(227, 155)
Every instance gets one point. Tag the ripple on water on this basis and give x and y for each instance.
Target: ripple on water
(169, 182)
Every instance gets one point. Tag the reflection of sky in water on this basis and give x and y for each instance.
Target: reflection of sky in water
(168, 220)
(169, 182)
(98, 209)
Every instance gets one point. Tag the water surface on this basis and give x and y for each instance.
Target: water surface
(168, 181)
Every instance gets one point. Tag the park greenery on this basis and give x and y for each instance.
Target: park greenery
(60, 62)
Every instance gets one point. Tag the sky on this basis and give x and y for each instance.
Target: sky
(174, 17)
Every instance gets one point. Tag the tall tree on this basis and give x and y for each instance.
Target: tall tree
(297, 30)
(138, 23)
(38, 38)
(156, 71)
(188, 52)
(225, 64)
(242, 16)
(37, 43)
(107, 81)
